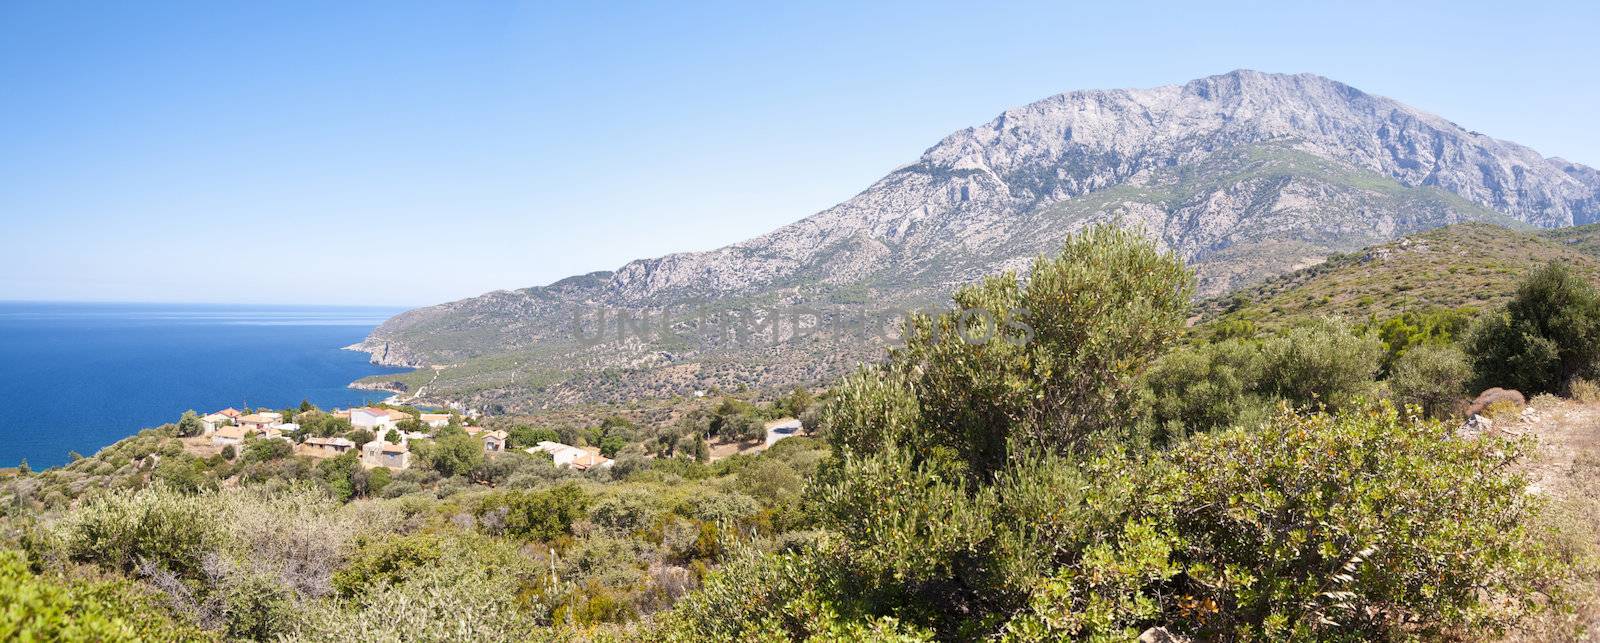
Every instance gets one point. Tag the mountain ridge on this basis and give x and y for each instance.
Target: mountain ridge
(1244, 175)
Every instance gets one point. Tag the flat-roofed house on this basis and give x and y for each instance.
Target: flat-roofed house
(230, 435)
(371, 418)
(261, 421)
(214, 421)
(326, 447)
(379, 453)
(570, 456)
(435, 420)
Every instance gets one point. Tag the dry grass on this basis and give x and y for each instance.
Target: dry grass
(1585, 391)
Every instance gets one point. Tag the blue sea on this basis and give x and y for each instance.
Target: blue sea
(78, 377)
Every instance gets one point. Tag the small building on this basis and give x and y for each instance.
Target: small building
(372, 418)
(230, 435)
(493, 441)
(379, 453)
(570, 456)
(261, 421)
(435, 420)
(214, 421)
(780, 429)
(231, 413)
(326, 447)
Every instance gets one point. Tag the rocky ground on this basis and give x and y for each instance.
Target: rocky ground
(1565, 469)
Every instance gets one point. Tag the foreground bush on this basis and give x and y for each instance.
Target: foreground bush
(37, 608)
(1354, 526)
(151, 527)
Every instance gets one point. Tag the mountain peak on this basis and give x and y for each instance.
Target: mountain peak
(1244, 175)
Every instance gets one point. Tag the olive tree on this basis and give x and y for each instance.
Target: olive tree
(1042, 364)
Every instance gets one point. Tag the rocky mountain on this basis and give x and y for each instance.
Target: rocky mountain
(1245, 175)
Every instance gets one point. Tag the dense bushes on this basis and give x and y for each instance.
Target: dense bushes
(1357, 526)
(1547, 335)
(124, 530)
(1353, 526)
(1206, 387)
(1434, 378)
(58, 609)
(1324, 363)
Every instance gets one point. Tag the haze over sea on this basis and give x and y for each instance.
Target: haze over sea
(80, 376)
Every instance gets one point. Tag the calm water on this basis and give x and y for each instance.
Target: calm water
(77, 377)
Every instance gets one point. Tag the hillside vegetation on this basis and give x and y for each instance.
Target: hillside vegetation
(1056, 459)
(1469, 265)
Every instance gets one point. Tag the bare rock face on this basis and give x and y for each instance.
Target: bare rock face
(1245, 175)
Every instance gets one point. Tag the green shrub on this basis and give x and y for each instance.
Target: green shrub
(1049, 365)
(1431, 377)
(265, 449)
(386, 560)
(189, 425)
(523, 436)
(1545, 337)
(1324, 363)
(537, 515)
(122, 530)
(451, 455)
(626, 512)
(1205, 388)
(1357, 526)
(1432, 327)
(762, 597)
(476, 590)
(38, 608)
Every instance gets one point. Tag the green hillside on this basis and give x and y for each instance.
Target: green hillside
(1583, 238)
(1466, 265)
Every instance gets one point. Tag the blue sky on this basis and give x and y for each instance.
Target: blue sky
(411, 153)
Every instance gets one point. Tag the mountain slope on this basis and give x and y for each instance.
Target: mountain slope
(1468, 265)
(1244, 175)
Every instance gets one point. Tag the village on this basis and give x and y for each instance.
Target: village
(393, 432)
(228, 430)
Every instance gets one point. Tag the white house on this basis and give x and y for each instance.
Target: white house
(435, 420)
(371, 418)
(215, 421)
(571, 456)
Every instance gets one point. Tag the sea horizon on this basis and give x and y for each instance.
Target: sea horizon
(82, 375)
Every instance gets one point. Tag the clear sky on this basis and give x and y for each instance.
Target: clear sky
(412, 153)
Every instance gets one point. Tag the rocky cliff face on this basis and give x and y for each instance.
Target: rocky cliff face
(1245, 175)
